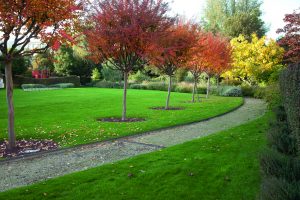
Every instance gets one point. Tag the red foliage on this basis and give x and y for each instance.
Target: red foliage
(172, 49)
(211, 54)
(22, 21)
(292, 36)
(123, 31)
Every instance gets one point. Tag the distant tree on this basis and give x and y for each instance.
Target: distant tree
(216, 57)
(121, 33)
(292, 36)
(255, 61)
(43, 61)
(19, 65)
(234, 17)
(96, 75)
(67, 62)
(172, 51)
(22, 21)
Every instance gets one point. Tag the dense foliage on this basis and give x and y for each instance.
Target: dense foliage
(234, 17)
(255, 62)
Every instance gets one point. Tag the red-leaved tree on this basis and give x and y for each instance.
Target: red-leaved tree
(216, 56)
(173, 51)
(122, 32)
(291, 39)
(21, 21)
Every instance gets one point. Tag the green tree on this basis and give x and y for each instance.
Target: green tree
(69, 62)
(234, 17)
(20, 65)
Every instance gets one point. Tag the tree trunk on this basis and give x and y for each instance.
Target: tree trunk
(218, 81)
(169, 93)
(208, 86)
(194, 91)
(11, 112)
(124, 96)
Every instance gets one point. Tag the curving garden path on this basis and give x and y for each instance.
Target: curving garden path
(31, 169)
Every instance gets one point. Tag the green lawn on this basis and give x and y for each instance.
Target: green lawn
(69, 116)
(220, 166)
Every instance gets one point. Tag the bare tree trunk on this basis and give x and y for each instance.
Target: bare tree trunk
(218, 81)
(208, 86)
(124, 96)
(11, 112)
(194, 90)
(169, 93)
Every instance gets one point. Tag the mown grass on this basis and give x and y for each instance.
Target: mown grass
(221, 166)
(69, 116)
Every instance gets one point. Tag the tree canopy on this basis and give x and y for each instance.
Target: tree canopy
(234, 17)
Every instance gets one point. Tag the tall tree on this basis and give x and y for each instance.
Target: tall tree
(172, 51)
(122, 33)
(234, 17)
(20, 22)
(292, 36)
(255, 61)
(217, 56)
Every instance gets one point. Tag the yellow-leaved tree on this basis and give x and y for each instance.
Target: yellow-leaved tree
(254, 61)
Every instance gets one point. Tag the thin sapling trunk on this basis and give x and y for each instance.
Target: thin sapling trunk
(208, 86)
(10, 104)
(124, 96)
(169, 93)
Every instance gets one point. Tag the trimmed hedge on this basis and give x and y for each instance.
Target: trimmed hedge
(290, 88)
(36, 87)
(20, 80)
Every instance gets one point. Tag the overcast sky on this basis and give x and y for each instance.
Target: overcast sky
(273, 11)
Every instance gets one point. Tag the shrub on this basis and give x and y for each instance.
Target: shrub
(63, 85)
(108, 84)
(138, 77)
(19, 80)
(259, 92)
(95, 75)
(138, 86)
(32, 86)
(184, 87)
(232, 92)
(290, 87)
(248, 91)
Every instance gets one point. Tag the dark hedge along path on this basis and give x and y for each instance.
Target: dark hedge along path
(28, 170)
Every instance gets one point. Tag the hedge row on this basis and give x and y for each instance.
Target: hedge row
(34, 87)
(290, 87)
(179, 87)
(19, 80)
(280, 162)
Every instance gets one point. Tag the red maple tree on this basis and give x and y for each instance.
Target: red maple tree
(216, 56)
(23, 21)
(173, 51)
(122, 33)
(292, 36)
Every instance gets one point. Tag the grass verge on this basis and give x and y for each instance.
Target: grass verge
(69, 116)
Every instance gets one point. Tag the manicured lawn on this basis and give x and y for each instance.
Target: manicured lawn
(69, 116)
(220, 166)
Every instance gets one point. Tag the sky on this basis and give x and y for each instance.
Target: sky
(273, 11)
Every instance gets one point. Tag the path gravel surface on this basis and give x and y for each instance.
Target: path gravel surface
(31, 169)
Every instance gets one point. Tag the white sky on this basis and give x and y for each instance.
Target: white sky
(273, 11)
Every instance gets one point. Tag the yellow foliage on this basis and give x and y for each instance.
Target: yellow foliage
(251, 60)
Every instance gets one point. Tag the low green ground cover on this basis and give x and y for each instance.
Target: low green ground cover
(69, 116)
(221, 166)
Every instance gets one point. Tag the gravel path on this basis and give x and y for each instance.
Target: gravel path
(28, 170)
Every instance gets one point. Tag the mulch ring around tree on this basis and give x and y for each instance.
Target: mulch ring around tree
(117, 119)
(170, 108)
(24, 147)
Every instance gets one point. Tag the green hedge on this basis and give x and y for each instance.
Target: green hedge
(290, 88)
(20, 80)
